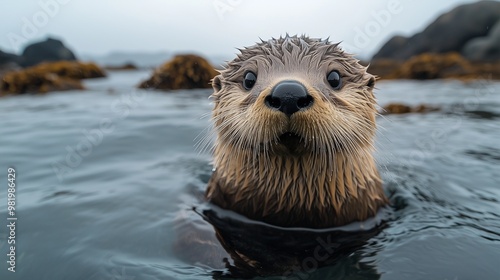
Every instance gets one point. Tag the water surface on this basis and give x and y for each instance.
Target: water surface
(103, 175)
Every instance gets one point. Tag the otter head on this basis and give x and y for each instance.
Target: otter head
(295, 122)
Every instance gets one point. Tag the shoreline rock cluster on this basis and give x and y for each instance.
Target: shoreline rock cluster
(42, 67)
(44, 51)
(472, 30)
(49, 76)
(463, 43)
(182, 72)
(428, 66)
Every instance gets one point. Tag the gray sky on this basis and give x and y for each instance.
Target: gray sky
(210, 27)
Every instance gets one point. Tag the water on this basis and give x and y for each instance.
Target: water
(113, 210)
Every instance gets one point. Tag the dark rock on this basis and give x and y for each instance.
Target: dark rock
(8, 58)
(182, 72)
(448, 33)
(8, 62)
(387, 51)
(484, 48)
(48, 50)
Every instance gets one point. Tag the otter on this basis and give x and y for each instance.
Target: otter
(294, 119)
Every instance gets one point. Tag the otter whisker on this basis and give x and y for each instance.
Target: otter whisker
(206, 141)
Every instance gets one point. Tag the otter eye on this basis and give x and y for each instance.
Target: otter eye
(249, 80)
(334, 79)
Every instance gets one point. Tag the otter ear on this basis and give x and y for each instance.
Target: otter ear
(216, 83)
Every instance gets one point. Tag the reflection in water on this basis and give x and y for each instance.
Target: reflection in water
(479, 114)
(487, 154)
(254, 248)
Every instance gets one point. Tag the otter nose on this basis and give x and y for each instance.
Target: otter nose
(289, 97)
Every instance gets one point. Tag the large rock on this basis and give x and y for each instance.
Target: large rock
(182, 72)
(434, 66)
(484, 48)
(8, 58)
(70, 69)
(388, 49)
(450, 32)
(21, 82)
(8, 62)
(45, 77)
(45, 51)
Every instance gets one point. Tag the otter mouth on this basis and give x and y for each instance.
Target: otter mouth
(292, 141)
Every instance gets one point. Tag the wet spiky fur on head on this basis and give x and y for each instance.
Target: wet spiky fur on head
(327, 175)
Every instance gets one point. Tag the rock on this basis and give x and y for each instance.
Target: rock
(435, 66)
(484, 48)
(45, 77)
(21, 82)
(9, 67)
(384, 68)
(424, 108)
(448, 33)
(126, 66)
(387, 51)
(182, 72)
(48, 50)
(8, 59)
(486, 70)
(8, 62)
(399, 108)
(396, 108)
(70, 69)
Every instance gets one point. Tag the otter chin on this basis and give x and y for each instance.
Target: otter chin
(294, 119)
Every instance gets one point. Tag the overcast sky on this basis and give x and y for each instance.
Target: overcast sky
(210, 27)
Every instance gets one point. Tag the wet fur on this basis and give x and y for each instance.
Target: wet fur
(330, 177)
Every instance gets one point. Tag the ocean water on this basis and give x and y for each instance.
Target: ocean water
(103, 177)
